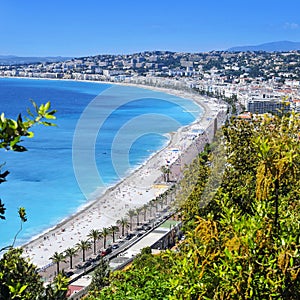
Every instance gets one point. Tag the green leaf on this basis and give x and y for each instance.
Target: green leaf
(228, 253)
(2, 118)
(48, 116)
(47, 105)
(30, 134)
(291, 261)
(34, 105)
(22, 214)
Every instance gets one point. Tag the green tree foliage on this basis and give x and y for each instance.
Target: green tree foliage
(71, 252)
(233, 251)
(146, 279)
(131, 213)
(57, 258)
(190, 189)
(278, 170)
(166, 173)
(123, 222)
(95, 235)
(145, 208)
(18, 277)
(12, 131)
(100, 277)
(105, 232)
(83, 246)
(113, 230)
(57, 290)
(137, 213)
(244, 243)
(242, 162)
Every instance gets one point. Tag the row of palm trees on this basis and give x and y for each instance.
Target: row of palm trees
(123, 223)
(161, 200)
(84, 245)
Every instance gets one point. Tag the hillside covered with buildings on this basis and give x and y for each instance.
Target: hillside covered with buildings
(257, 79)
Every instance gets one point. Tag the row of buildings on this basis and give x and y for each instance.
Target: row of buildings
(259, 80)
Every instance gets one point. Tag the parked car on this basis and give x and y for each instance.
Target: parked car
(115, 246)
(129, 236)
(106, 251)
(146, 227)
(119, 241)
(79, 266)
(87, 264)
(141, 233)
(69, 274)
(98, 257)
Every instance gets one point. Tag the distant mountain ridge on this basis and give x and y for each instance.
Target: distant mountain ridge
(280, 46)
(13, 60)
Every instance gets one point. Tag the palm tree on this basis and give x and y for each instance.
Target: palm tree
(151, 204)
(162, 200)
(166, 172)
(71, 252)
(137, 212)
(145, 208)
(57, 258)
(168, 196)
(123, 223)
(83, 245)
(95, 235)
(131, 213)
(113, 229)
(104, 233)
(155, 203)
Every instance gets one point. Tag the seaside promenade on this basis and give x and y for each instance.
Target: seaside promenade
(138, 189)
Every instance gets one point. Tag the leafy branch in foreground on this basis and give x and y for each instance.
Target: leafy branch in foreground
(11, 133)
(19, 279)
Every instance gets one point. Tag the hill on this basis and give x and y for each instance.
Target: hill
(241, 226)
(14, 60)
(268, 47)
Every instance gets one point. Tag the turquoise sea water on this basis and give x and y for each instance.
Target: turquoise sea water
(114, 127)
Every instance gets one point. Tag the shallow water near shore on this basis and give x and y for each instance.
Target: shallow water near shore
(42, 179)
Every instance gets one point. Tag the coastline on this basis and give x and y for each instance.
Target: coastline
(133, 191)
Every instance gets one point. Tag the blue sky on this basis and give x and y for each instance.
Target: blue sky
(89, 27)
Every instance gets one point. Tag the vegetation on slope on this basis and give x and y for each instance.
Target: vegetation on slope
(242, 236)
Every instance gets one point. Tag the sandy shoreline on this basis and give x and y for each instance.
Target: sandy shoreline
(133, 191)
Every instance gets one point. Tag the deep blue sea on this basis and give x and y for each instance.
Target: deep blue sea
(103, 132)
